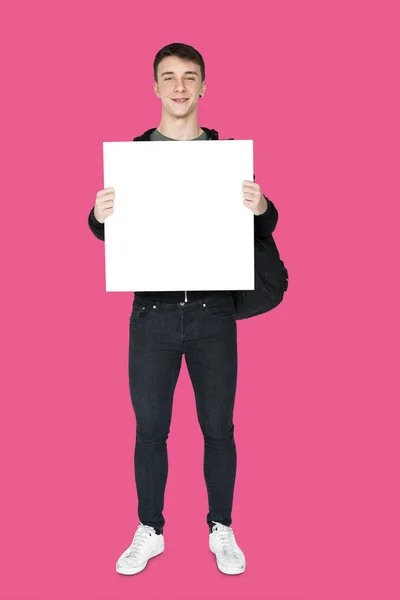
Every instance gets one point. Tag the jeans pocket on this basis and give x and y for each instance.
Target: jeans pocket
(222, 310)
(141, 312)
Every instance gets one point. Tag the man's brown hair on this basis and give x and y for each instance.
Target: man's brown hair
(182, 51)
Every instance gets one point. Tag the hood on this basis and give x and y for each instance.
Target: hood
(212, 134)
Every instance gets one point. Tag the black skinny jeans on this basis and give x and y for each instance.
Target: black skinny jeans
(160, 333)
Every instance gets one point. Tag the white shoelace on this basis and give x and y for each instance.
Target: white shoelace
(226, 536)
(141, 536)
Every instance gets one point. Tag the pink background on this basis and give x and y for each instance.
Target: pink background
(317, 504)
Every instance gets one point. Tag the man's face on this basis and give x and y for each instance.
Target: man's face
(178, 78)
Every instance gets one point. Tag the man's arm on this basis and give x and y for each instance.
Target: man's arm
(265, 224)
(96, 228)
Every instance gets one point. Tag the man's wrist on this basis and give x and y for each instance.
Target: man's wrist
(266, 204)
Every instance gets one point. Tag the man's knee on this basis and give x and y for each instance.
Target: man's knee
(220, 432)
(151, 436)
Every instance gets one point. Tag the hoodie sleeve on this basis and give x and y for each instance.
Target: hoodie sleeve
(96, 228)
(265, 224)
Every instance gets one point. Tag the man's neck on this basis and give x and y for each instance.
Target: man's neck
(180, 129)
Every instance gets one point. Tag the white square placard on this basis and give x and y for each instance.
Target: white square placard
(179, 221)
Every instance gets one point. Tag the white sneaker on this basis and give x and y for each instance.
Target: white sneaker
(145, 544)
(230, 558)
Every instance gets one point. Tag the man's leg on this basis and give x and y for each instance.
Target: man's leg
(211, 357)
(155, 358)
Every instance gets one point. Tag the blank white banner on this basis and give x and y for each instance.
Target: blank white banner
(179, 221)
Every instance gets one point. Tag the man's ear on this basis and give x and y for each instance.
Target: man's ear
(155, 88)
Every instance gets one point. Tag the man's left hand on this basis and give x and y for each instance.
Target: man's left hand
(253, 197)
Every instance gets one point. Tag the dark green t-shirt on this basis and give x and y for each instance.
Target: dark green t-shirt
(156, 136)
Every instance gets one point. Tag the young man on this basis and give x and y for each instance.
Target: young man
(164, 326)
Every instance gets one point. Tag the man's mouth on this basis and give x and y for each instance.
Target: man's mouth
(180, 100)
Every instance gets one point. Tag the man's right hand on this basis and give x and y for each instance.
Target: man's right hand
(104, 205)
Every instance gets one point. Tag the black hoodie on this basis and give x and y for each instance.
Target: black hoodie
(264, 225)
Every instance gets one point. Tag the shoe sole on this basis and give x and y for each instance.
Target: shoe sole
(229, 570)
(133, 571)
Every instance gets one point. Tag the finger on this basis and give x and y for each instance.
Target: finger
(248, 196)
(251, 184)
(103, 201)
(105, 195)
(250, 190)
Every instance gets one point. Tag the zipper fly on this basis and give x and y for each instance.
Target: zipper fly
(186, 298)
